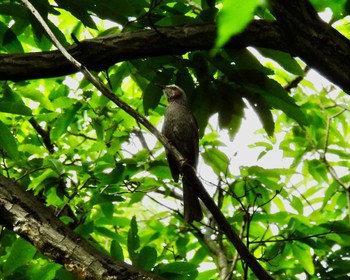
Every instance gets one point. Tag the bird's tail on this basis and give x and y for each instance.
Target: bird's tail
(192, 208)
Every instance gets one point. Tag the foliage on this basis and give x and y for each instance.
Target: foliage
(106, 178)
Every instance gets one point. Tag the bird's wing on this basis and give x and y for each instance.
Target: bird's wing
(174, 169)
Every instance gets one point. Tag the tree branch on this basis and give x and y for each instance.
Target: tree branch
(45, 135)
(298, 30)
(25, 215)
(102, 52)
(313, 40)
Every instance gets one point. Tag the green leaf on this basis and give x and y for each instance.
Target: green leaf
(279, 98)
(205, 105)
(114, 176)
(13, 10)
(265, 116)
(53, 198)
(238, 188)
(233, 18)
(37, 183)
(55, 165)
(284, 59)
(15, 108)
(104, 198)
(133, 242)
(152, 93)
(147, 258)
(303, 254)
(159, 169)
(230, 108)
(276, 96)
(61, 102)
(185, 81)
(211, 139)
(181, 245)
(41, 38)
(58, 91)
(217, 160)
(177, 270)
(12, 103)
(8, 141)
(318, 170)
(176, 20)
(103, 230)
(21, 253)
(250, 67)
(44, 271)
(97, 124)
(116, 10)
(199, 62)
(31, 93)
(78, 9)
(330, 192)
(269, 172)
(119, 75)
(63, 121)
(208, 274)
(9, 40)
(116, 251)
(297, 205)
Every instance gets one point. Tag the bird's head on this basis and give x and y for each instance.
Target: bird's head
(174, 93)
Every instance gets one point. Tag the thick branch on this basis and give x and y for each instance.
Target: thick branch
(26, 216)
(298, 31)
(316, 42)
(100, 53)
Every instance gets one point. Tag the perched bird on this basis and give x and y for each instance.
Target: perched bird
(181, 129)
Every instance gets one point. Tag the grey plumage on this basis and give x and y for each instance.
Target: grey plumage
(180, 128)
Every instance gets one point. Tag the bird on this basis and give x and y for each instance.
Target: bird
(181, 129)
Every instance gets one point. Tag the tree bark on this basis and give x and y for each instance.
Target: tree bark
(21, 212)
(100, 53)
(298, 30)
(313, 40)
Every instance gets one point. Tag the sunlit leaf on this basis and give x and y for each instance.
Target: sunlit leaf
(78, 11)
(55, 165)
(284, 59)
(297, 204)
(216, 159)
(303, 254)
(21, 253)
(8, 142)
(64, 121)
(233, 18)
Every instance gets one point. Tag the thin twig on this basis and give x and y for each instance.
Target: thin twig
(45, 135)
(294, 83)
